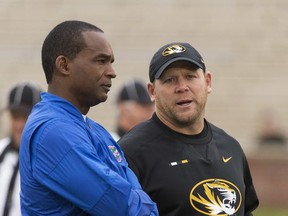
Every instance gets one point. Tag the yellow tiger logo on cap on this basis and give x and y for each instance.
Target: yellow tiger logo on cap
(173, 49)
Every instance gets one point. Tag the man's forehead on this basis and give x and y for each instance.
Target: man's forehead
(99, 51)
(96, 40)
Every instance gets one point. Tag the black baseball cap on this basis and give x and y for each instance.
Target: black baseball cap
(23, 97)
(134, 90)
(170, 53)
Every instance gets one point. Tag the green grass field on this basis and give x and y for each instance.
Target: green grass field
(270, 212)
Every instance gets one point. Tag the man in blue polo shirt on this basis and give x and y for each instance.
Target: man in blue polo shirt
(69, 164)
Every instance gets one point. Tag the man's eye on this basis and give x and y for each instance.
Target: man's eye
(169, 80)
(102, 61)
(191, 76)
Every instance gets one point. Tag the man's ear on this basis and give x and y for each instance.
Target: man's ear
(151, 90)
(208, 77)
(62, 65)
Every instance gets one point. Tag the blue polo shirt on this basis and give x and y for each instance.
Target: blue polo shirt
(72, 166)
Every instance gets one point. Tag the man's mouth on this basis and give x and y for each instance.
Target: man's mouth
(184, 102)
(107, 87)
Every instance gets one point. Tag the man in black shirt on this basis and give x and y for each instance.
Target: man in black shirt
(187, 165)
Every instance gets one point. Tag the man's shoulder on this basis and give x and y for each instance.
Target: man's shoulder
(140, 135)
(221, 135)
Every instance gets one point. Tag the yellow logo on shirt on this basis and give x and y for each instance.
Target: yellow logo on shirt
(225, 160)
(216, 197)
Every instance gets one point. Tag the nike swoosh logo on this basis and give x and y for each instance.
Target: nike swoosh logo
(225, 160)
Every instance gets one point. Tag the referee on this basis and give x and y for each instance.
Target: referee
(21, 99)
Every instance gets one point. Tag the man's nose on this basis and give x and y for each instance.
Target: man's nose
(181, 86)
(111, 72)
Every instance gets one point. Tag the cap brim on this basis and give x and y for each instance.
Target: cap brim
(163, 67)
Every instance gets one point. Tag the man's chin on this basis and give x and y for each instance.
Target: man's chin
(99, 100)
(185, 120)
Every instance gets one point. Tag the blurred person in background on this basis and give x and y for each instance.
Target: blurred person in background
(21, 99)
(271, 132)
(133, 106)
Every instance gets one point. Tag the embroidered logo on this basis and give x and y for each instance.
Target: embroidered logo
(175, 163)
(173, 49)
(216, 197)
(115, 152)
(225, 160)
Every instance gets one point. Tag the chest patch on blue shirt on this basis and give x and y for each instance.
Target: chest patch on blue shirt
(115, 152)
